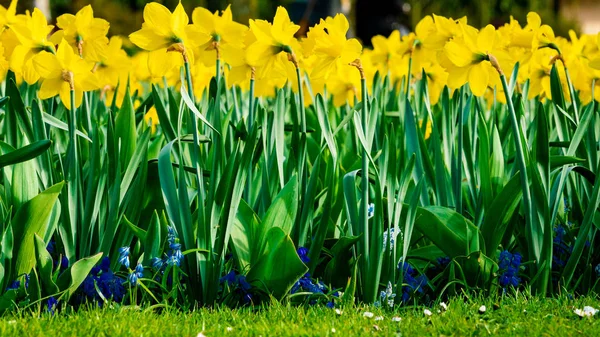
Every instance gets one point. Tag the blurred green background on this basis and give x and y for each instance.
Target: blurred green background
(368, 17)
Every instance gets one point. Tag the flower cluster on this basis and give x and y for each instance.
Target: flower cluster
(509, 265)
(174, 254)
(136, 274)
(413, 283)
(561, 248)
(387, 296)
(303, 254)
(389, 234)
(239, 284)
(107, 282)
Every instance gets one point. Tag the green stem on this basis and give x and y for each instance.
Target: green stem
(72, 175)
(248, 191)
(572, 94)
(302, 158)
(194, 130)
(408, 76)
(364, 200)
(533, 244)
(218, 71)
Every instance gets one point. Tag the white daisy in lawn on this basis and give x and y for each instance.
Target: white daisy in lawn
(444, 306)
(482, 309)
(427, 312)
(586, 312)
(396, 319)
(200, 334)
(368, 314)
(379, 318)
(338, 312)
(229, 329)
(332, 330)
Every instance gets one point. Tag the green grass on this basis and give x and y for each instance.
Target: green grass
(508, 317)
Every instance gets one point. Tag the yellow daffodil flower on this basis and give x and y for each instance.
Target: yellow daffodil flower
(272, 40)
(85, 33)
(8, 15)
(32, 34)
(3, 64)
(539, 75)
(63, 72)
(384, 49)
(114, 63)
(332, 49)
(221, 29)
(165, 30)
(469, 57)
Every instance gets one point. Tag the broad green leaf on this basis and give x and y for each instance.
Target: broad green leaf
(32, 218)
(279, 267)
(72, 278)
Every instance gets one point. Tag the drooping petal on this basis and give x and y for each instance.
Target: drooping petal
(147, 39)
(50, 88)
(478, 79)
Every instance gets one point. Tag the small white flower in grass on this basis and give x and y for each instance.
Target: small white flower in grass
(427, 312)
(229, 329)
(586, 312)
(332, 330)
(368, 314)
(444, 306)
(379, 318)
(482, 309)
(200, 334)
(396, 319)
(338, 312)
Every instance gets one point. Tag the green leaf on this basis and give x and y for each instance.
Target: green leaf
(339, 268)
(279, 267)
(45, 265)
(447, 229)
(32, 218)
(282, 212)
(125, 130)
(72, 278)
(23, 154)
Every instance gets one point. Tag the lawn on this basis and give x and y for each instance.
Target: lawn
(504, 317)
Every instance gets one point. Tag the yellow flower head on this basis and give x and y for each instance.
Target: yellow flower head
(272, 39)
(332, 48)
(221, 29)
(7, 15)
(85, 33)
(162, 29)
(32, 34)
(539, 75)
(544, 38)
(3, 64)
(470, 61)
(114, 63)
(63, 72)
